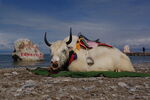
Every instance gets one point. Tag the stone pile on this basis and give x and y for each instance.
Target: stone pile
(25, 50)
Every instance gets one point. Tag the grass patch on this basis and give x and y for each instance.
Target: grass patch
(40, 71)
(110, 74)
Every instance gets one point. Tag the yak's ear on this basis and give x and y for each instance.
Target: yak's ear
(46, 42)
(70, 38)
(68, 47)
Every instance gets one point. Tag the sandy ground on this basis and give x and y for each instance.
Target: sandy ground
(19, 84)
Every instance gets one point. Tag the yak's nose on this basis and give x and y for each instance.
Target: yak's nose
(54, 64)
(55, 59)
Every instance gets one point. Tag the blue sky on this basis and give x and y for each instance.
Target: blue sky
(116, 22)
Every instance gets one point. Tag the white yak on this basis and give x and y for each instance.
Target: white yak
(99, 58)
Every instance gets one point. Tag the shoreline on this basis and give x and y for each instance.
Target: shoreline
(138, 54)
(138, 67)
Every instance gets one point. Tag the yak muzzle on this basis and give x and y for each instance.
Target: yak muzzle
(54, 64)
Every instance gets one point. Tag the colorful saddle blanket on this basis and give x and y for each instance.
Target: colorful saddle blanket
(86, 43)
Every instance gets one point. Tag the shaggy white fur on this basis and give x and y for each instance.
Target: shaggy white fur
(105, 58)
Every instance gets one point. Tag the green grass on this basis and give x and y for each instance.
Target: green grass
(40, 71)
(110, 74)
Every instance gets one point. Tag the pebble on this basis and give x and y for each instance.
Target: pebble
(34, 93)
(14, 73)
(7, 74)
(132, 89)
(146, 85)
(78, 98)
(100, 81)
(48, 85)
(74, 89)
(29, 83)
(56, 81)
(58, 98)
(72, 97)
(114, 95)
(45, 96)
(93, 94)
(17, 94)
(49, 99)
(66, 80)
(122, 84)
(19, 90)
(88, 88)
(113, 87)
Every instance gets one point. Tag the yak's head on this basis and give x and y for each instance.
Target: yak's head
(59, 52)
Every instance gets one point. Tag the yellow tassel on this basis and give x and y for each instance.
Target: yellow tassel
(78, 46)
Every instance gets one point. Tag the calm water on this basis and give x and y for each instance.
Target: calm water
(7, 62)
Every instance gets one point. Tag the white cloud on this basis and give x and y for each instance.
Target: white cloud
(139, 41)
(4, 44)
(6, 40)
(107, 31)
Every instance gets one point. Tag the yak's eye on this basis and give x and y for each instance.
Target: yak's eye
(64, 51)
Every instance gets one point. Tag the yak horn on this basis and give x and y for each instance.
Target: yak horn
(70, 38)
(46, 42)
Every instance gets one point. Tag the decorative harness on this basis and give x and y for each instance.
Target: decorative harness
(85, 44)
(82, 42)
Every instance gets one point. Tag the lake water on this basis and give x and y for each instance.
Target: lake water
(6, 61)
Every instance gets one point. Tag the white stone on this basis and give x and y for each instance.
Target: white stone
(132, 89)
(15, 73)
(146, 85)
(19, 90)
(26, 50)
(7, 74)
(113, 87)
(49, 99)
(72, 97)
(45, 96)
(17, 94)
(88, 88)
(122, 84)
(100, 81)
(29, 84)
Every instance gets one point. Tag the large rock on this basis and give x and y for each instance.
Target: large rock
(25, 50)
